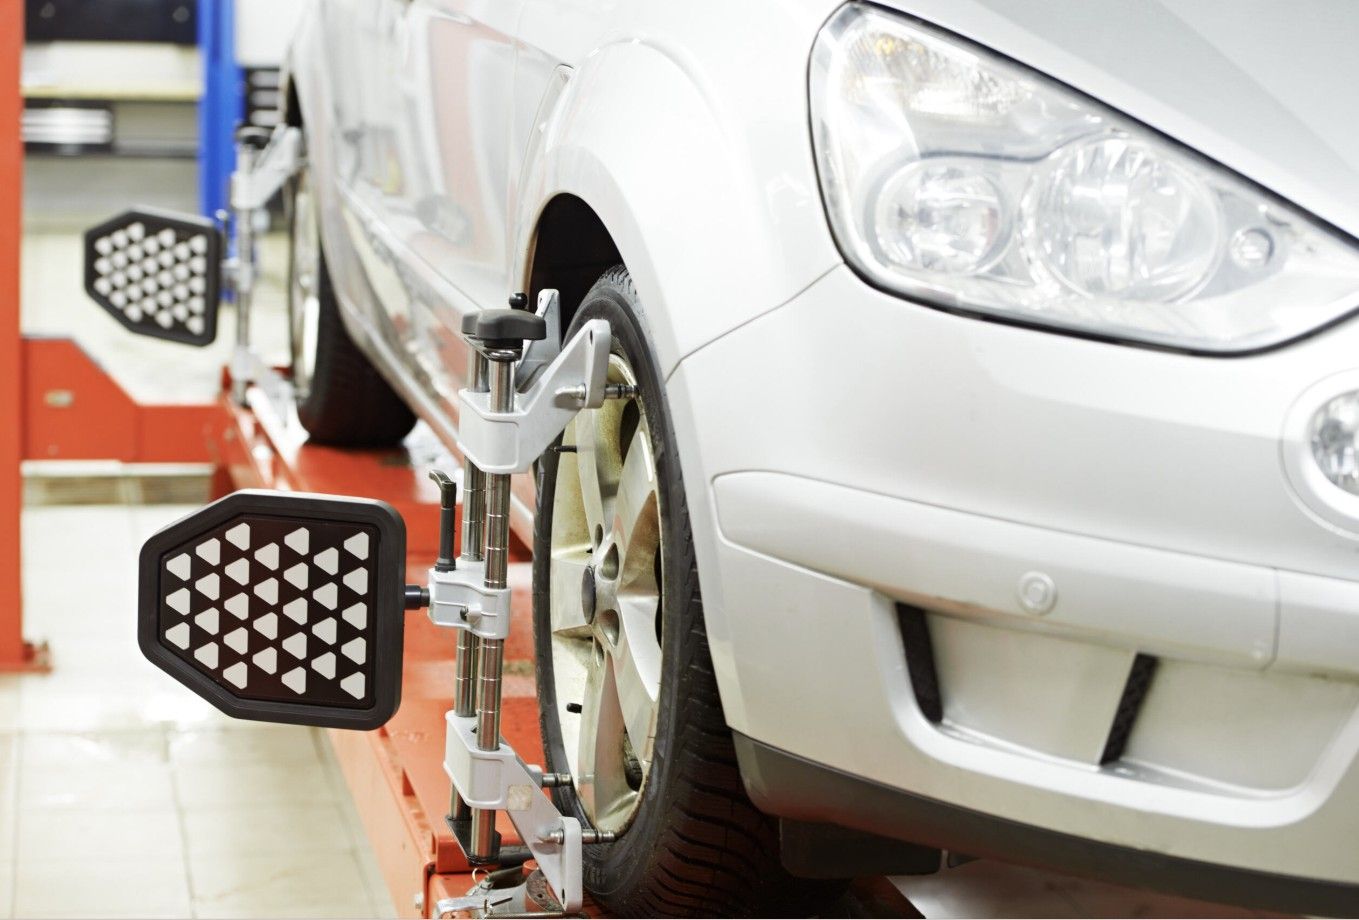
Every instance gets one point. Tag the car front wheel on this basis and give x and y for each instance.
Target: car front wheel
(628, 700)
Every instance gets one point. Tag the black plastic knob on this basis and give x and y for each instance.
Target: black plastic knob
(504, 328)
(519, 301)
(253, 137)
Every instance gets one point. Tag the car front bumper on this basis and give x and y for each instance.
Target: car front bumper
(859, 455)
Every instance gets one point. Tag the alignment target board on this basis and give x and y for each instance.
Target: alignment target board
(280, 607)
(157, 274)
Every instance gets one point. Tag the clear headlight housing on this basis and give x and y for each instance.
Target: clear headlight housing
(956, 177)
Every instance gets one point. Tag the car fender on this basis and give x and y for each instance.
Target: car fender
(714, 207)
(717, 222)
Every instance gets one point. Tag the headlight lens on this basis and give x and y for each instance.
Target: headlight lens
(956, 177)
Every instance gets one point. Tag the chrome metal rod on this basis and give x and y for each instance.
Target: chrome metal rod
(473, 530)
(491, 659)
(473, 479)
(243, 219)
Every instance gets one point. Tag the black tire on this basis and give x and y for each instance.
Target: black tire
(345, 401)
(696, 845)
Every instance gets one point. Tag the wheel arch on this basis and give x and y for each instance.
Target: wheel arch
(709, 198)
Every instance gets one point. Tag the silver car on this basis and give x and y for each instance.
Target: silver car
(991, 483)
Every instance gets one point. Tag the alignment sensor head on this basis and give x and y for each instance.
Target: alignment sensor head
(157, 273)
(280, 607)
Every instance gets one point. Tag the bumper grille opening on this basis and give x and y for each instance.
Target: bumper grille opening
(915, 635)
(1134, 692)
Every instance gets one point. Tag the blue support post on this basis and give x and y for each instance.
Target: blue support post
(222, 106)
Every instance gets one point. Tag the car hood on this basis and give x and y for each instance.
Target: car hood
(1268, 89)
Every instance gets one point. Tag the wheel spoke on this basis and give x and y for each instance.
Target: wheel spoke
(635, 518)
(601, 781)
(568, 566)
(637, 672)
(595, 491)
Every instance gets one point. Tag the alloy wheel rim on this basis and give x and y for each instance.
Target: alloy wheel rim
(305, 285)
(606, 607)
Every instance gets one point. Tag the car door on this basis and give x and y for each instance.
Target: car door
(451, 84)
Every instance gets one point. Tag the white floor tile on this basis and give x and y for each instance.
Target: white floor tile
(268, 885)
(283, 828)
(153, 834)
(53, 749)
(107, 886)
(276, 744)
(210, 785)
(113, 786)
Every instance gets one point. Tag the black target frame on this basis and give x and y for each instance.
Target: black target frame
(387, 611)
(185, 227)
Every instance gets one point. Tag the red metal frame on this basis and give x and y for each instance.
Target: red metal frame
(73, 410)
(15, 653)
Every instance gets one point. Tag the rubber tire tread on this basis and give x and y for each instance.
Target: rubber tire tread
(697, 846)
(349, 403)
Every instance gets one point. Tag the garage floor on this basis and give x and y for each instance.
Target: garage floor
(122, 794)
(125, 794)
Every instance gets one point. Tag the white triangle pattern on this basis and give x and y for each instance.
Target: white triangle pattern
(180, 566)
(238, 640)
(267, 556)
(299, 541)
(267, 626)
(356, 615)
(210, 551)
(325, 665)
(297, 576)
(328, 561)
(325, 631)
(357, 581)
(239, 571)
(198, 633)
(207, 621)
(238, 606)
(358, 545)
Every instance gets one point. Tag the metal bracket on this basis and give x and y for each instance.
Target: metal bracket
(499, 780)
(542, 353)
(510, 442)
(278, 162)
(460, 600)
(258, 175)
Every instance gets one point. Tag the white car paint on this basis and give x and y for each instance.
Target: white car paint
(845, 449)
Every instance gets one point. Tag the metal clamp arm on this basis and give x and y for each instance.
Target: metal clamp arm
(252, 188)
(460, 599)
(498, 780)
(510, 442)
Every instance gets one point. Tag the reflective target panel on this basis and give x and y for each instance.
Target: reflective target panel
(280, 607)
(157, 273)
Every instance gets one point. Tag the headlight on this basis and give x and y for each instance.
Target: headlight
(958, 178)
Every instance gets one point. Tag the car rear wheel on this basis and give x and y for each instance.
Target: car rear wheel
(627, 696)
(342, 399)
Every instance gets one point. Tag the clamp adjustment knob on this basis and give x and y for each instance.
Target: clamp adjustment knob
(504, 328)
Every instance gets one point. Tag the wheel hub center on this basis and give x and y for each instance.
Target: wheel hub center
(587, 594)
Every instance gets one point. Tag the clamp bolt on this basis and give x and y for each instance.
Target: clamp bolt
(587, 835)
